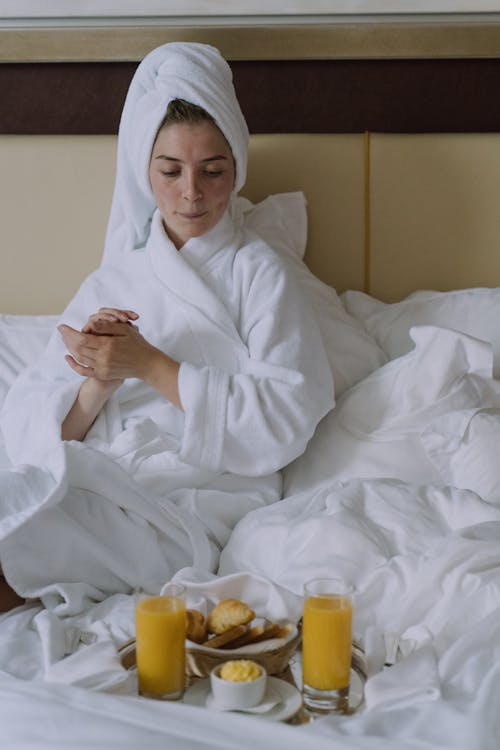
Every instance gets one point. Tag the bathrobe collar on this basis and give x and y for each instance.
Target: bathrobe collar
(182, 271)
(200, 250)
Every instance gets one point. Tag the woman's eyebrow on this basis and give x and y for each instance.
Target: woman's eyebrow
(217, 157)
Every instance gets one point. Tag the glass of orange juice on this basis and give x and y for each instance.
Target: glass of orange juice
(326, 645)
(160, 631)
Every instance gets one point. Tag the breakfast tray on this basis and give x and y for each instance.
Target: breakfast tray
(283, 662)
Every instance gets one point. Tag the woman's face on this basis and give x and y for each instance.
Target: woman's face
(192, 176)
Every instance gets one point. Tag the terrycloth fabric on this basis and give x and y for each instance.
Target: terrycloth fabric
(196, 73)
(254, 381)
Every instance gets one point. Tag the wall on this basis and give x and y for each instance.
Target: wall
(83, 12)
(387, 213)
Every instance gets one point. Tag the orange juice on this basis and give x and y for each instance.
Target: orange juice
(326, 642)
(160, 623)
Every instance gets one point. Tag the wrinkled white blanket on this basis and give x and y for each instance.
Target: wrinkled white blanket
(424, 559)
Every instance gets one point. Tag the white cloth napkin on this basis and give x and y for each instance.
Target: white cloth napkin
(409, 681)
(95, 667)
(267, 599)
(85, 658)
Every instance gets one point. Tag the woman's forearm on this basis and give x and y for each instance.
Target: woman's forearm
(91, 398)
(161, 372)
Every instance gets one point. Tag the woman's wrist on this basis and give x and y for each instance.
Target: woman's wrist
(161, 372)
(91, 398)
(100, 389)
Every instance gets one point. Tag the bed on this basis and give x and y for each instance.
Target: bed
(384, 180)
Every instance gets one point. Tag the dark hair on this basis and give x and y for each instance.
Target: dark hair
(179, 110)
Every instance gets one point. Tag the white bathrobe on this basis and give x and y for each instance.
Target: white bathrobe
(152, 489)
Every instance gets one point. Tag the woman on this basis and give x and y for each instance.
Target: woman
(185, 373)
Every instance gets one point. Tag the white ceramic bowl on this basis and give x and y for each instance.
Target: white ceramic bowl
(237, 695)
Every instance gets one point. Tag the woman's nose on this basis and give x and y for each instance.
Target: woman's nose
(192, 191)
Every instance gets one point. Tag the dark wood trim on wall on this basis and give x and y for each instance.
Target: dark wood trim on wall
(334, 96)
(63, 98)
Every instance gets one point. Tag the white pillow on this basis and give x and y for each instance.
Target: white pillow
(465, 448)
(281, 221)
(374, 430)
(473, 311)
(22, 340)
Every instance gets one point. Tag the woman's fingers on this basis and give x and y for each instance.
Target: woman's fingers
(114, 315)
(80, 345)
(109, 315)
(84, 370)
(109, 327)
(112, 350)
(90, 372)
(122, 315)
(76, 338)
(91, 353)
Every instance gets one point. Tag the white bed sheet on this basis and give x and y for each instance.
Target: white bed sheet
(378, 498)
(22, 339)
(4, 459)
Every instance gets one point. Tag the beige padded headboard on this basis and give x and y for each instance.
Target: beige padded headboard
(387, 213)
(392, 130)
(57, 192)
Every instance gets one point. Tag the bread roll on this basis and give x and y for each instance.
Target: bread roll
(196, 626)
(227, 614)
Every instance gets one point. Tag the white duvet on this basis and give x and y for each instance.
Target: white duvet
(399, 492)
(370, 501)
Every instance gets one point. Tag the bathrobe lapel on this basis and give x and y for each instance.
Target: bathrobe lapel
(180, 272)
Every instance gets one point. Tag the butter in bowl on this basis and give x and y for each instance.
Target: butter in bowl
(238, 684)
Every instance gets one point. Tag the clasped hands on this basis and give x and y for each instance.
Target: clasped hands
(108, 348)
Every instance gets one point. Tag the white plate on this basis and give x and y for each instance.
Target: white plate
(291, 699)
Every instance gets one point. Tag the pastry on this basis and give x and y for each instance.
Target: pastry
(248, 637)
(229, 613)
(273, 630)
(196, 626)
(217, 641)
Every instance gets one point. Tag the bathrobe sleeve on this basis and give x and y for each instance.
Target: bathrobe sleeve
(250, 418)
(40, 398)
(255, 421)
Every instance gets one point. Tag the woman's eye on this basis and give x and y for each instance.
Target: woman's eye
(207, 172)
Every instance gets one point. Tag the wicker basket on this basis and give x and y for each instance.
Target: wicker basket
(201, 660)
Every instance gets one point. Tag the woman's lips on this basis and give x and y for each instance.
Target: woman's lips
(197, 215)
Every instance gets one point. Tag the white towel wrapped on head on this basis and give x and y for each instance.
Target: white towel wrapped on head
(196, 73)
